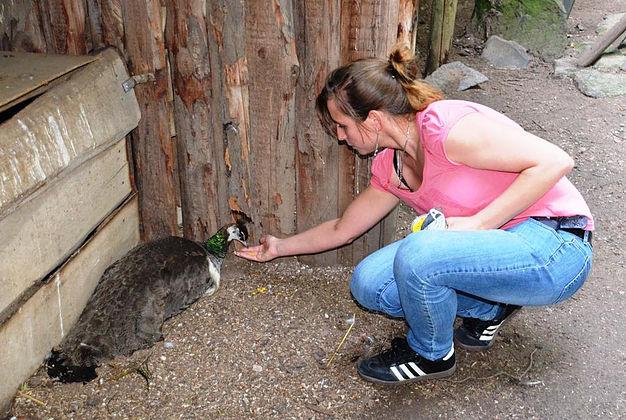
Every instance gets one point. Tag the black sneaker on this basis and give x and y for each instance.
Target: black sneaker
(400, 364)
(477, 335)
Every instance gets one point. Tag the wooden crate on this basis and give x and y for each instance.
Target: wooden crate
(67, 204)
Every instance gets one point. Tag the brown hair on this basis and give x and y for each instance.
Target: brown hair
(364, 85)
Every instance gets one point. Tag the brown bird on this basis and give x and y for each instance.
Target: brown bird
(136, 294)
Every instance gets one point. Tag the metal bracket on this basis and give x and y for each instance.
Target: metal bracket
(137, 79)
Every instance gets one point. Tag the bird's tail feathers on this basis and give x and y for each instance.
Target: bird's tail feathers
(60, 367)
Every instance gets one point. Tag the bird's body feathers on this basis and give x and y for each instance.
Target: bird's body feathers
(135, 295)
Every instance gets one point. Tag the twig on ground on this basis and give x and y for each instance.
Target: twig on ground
(353, 319)
(30, 397)
(319, 410)
(539, 125)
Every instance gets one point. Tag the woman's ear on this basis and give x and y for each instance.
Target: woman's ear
(375, 120)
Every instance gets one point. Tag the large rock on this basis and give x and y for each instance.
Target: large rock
(456, 76)
(598, 84)
(540, 25)
(505, 54)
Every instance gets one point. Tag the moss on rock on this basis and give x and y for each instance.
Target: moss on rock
(539, 25)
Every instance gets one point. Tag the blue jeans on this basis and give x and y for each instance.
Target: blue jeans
(430, 277)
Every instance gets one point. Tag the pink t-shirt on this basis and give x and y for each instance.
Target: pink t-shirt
(460, 190)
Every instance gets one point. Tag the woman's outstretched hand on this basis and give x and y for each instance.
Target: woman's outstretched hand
(266, 251)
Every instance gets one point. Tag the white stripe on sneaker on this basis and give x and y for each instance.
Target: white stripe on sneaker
(407, 372)
(397, 373)
(450, 353)
(417, 370)
(486, 337)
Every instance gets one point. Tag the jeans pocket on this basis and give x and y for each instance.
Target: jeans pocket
(576, 283)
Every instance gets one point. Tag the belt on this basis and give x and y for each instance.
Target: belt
(556, 222)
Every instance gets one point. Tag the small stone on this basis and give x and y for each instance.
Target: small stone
(257, 368)
(163, 358)
(168, 345)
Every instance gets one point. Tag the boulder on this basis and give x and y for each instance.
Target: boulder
(505, 54)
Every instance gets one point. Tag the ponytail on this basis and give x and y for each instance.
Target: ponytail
(364, 85)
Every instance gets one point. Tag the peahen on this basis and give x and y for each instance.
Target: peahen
(153, 282)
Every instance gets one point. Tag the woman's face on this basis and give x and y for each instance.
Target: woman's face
(355, 134)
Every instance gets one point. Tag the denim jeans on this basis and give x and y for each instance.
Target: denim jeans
(430, 277)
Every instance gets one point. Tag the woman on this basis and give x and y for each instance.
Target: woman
(518, 231)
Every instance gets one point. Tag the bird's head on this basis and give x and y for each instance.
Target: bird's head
(218, 243)
(237, 232)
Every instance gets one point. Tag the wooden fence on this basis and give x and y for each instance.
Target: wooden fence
(228, 123)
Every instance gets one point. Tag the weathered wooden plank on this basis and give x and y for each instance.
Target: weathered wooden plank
(443, 16)
(20, 27)
(372, 32)
(41, 233)
(152, 145)
(24, 75)
(272, 72)
(48, 315)
(318, 173)
(107, 24)
(65, 127)
(346, 158)
(198, 162)
(231, 116)
(407, 22)
(64, 26)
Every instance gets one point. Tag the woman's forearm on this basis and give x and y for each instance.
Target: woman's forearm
(528, 188)
(322, 237)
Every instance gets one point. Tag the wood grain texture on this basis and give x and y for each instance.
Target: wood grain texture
(226, 29)
(64, 24)
(371, 32)
(272, 72)
(153, 149)
(443, 16)
(318, 169)
(198, 162)
(42, 232)
(21, 28)
(45, 318)
(63, 128)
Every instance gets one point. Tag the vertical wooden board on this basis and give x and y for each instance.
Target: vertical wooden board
(20, 27)
(111, 24)
(198, 164)
(64, 26)
(443, 16)
(371, 32)
(407, 22)
(42, 232)
(152, 145)
(65, 127)
(272, 75)
(231, 105)
(318, 174)
(43, 320)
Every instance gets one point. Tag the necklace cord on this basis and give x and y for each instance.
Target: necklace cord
(401, 158)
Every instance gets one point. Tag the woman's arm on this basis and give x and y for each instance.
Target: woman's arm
(481, 143)
(367, 209)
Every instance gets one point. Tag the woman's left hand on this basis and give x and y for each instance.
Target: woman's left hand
(463, 223)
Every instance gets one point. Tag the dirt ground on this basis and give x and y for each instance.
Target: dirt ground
(262, 346)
